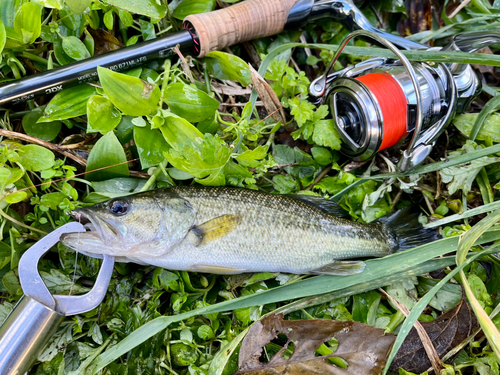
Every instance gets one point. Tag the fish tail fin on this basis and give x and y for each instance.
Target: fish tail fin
(405, 230)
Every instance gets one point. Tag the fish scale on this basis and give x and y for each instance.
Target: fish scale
(230, 230)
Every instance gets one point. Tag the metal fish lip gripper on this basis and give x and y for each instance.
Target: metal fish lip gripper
(38, 313)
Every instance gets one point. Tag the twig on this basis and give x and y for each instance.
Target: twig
(79, 144)
(10, 218)
(424, 337)
(438, 185)
(40, 142)
(323, 173)
(59, 149)
(184, 64)
(257, 104)
(459, 8)
(396, 199)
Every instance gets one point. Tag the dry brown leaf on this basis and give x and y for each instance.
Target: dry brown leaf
(104, 41)
(363, 347)
(230, 90)
(268, 96)
(446, 332)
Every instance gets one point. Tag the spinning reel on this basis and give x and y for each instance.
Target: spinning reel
(392, 102)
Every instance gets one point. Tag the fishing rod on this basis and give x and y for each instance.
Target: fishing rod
(201, 34)
(377, 104)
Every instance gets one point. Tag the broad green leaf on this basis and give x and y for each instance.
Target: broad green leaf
(321, 155)
(74, 22)
(189, 102)
(178, 132)
(8, 11)
(206, 162)
(490, 128)
(251, 158)
(57, 4)
(125, 129)
(131, 95)
(221, 359)
(89, 42)
(125, 17)
(5, 254)
(58, 283)
(108, 19)
(187, 7)
(74, 48)
(222, 65)
(107, 152)
(47, 131)
(102, 115)
(325, 135)
(16, 197)
(61, 56)
(78, 6)
(150, 145)
(12, 284)
(3, 38)
(150, 8)
(365, 307)
(9, 176)
(36, 158)
(28, 22)
(68, 103)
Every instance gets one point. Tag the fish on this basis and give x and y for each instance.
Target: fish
(229, 230)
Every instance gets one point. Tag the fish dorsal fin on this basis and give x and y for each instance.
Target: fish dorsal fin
(340, 268)
(326, 205)
(213, 229)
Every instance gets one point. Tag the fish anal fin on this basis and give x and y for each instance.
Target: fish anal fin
(214, 229)
(340, 268)
(219, 270)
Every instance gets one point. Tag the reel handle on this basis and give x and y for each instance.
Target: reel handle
(244, 21)
(348, 14)
(471, 42)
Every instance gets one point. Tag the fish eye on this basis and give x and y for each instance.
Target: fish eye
(118, 207)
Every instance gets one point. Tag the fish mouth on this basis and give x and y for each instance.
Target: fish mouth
(107, 232)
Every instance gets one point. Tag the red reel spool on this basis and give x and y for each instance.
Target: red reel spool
(393, 104)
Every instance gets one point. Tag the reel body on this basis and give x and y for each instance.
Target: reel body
(374, 104)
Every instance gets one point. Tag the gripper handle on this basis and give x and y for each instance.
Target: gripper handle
(24, 335)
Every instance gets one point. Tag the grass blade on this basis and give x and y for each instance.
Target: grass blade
(490, 107)
(465, 244)
(469, 213)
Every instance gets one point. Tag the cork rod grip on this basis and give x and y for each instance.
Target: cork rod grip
(248, 20)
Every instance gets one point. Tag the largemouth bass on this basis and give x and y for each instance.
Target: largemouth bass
(228, 230)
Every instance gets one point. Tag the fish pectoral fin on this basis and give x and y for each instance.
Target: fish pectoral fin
(213, 229)
(340, 268)
(219, 270)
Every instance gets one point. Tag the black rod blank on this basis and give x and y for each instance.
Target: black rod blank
(55, 80)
